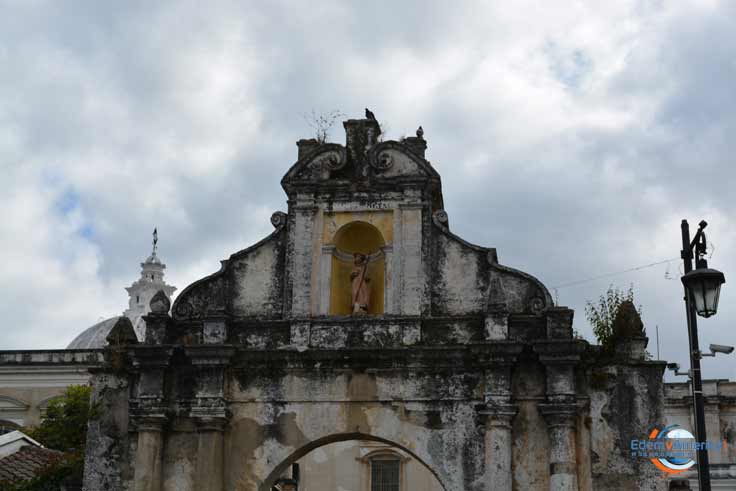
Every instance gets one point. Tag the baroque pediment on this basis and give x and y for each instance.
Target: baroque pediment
(363, 159)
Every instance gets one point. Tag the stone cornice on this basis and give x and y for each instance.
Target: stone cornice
(560, 351)
(210, 355)
(148, 357)
(52, 357)
(455, 358)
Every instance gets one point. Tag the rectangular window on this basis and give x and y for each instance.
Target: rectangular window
(384, 475)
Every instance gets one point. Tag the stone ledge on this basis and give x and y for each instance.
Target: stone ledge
(52, 357)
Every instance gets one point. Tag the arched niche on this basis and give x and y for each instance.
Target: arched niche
(357, 237)
(400, 453)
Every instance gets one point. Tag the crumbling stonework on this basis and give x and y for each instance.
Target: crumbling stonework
(469, 368)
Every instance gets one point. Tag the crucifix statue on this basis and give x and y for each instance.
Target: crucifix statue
(361, 289)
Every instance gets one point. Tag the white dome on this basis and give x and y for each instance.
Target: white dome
(94, 337)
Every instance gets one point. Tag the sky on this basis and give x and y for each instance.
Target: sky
(572, 136)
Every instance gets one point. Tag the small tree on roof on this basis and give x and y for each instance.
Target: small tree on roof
(613, 316)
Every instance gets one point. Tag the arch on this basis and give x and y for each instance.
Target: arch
(339, 437)
(384, 453)
(6, 426)
(10, 403)
(357, 237)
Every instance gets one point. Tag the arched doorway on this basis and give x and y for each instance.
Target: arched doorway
(363, 238)
(358, 462)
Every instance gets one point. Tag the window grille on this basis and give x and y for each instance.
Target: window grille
(384, 475)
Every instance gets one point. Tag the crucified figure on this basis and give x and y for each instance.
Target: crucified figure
(360, 284)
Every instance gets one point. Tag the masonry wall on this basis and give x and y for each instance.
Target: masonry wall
(469, 370)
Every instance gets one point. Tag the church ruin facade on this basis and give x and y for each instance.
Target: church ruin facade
(363, 317)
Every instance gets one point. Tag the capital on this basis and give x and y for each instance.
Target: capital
(210, 423)
(150, 422)
(499, 415)
(559, 415)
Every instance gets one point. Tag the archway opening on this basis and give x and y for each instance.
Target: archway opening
(363, 238)
(8, 426)
(356, 461)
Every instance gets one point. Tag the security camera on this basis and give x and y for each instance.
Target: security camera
(675, 367)
(721, 348)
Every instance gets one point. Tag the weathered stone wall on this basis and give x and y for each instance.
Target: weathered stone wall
(249, 284)
(108, 456)
(470, 369)
(626, 403)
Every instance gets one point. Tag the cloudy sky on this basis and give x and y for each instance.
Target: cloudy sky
(572, 136)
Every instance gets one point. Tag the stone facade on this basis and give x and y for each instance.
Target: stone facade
(30, 379)
(461, 363)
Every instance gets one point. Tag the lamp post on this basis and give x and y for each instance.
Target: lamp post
(288, 483)
(702, 288)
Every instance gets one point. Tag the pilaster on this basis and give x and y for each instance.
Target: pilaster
(499, 412)
(560, 358)
(561, 419)
(149, 453)
(300, 267)
(411, 293)
(209, 471)
(325, 276)
(209, 411)
(149, 414)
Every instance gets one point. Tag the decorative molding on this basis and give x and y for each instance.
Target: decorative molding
(279, 219)
(11, 404)
(330, 158)
(381, 161)
(348, 256)
(441, 217)
(387, 453)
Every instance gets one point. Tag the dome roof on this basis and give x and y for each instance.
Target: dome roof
(94, 337)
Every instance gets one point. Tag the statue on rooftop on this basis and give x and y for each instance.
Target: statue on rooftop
(360, 284)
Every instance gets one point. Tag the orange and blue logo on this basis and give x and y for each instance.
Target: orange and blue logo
(679, 447)
(672, 449)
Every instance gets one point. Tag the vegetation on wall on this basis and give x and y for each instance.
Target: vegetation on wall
(614, 316)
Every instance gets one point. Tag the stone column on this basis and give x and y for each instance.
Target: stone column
(499, 413)
(325, 279)
(411, 294)
(498, 444)
(149, 413)
(149, 454)
(300, 256)
(388, 291)
(560, 420)
(560, 354)
(209, 472)
(209, 411)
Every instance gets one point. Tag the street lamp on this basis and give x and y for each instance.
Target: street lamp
(705, 286)
(702, 288)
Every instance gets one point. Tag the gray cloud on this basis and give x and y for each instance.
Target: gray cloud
(572, 139)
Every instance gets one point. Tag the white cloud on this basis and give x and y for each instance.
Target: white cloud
(568, 135)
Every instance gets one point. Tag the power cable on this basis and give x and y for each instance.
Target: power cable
(614, 273)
